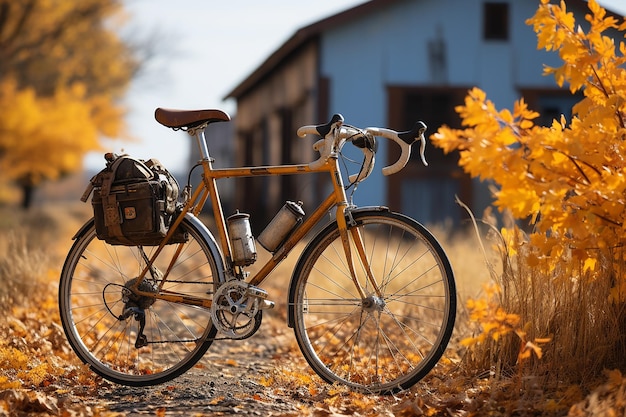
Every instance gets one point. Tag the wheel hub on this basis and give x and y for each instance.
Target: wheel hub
(373, 303)
(141, 301)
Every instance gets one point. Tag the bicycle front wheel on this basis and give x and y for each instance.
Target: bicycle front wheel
(142, 340)
(390, 337)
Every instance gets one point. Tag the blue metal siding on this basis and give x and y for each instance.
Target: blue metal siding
(361, 58)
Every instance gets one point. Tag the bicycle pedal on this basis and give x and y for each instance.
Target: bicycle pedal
(266, 305)
(256, 292)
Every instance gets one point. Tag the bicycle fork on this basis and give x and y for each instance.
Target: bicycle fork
(357, 240)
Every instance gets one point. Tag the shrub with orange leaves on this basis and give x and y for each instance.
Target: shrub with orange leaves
(495, 323)
(569, 178)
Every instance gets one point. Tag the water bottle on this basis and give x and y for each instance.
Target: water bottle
(285, 221)
(241, 239)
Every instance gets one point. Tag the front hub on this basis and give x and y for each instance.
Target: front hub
(373, 303)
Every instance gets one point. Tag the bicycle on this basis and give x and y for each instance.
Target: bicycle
(371, 300)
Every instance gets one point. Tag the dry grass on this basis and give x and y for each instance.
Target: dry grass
(21, 270)
(587, 331)
(29, 252)
(33, 245)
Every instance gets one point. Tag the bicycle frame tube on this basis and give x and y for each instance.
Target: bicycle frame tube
(210, 177)
(336, 198)
(209, 189)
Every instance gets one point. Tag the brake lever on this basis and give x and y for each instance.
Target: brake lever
(367, 143)
(413, 135)
(325, 146)
(423, 149)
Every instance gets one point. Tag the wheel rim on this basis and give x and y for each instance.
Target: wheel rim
(385, 342)
(94, 295)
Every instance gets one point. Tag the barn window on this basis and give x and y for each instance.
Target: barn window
(496, 21)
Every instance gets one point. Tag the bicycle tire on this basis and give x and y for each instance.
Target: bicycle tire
(91, 301)
(375, 344)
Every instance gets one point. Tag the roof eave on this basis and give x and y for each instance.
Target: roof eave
(298, 39)
(301, 37)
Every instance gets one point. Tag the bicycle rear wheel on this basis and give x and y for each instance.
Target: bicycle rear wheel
(379, 343)
(144, 341)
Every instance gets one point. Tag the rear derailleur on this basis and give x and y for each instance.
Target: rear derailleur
(135, 305)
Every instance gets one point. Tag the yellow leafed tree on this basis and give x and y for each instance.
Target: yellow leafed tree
(569, 179)
(63, 70)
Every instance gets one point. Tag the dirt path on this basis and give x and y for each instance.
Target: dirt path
(219, 389)
(227, 381)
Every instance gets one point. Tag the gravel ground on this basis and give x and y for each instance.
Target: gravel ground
(225, 382)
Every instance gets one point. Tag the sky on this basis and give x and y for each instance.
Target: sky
(203, 50)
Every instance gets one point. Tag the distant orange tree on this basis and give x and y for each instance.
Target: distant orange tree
(569, 179)
(63, 70)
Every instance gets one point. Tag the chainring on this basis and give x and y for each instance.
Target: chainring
(234, 311)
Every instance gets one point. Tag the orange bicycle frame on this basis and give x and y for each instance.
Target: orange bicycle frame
(209, 190)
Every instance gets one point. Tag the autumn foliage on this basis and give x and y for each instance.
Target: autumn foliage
(46, 137)
(63, 71)
(565, 278)
(551, 332)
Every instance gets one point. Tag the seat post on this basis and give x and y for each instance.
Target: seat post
(202, 145)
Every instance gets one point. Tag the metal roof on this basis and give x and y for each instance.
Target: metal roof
(313, 31)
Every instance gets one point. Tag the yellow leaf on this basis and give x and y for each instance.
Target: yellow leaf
(531, 347)
(589, 264)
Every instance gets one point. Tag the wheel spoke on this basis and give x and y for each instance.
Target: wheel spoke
(375, 344)
(131, 339)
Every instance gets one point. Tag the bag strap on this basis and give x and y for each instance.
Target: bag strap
(103, 178)
(88, 191)
(112, 218)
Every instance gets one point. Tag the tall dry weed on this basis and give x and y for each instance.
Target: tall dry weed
(584, 329)
(22, 267)
(33, 245)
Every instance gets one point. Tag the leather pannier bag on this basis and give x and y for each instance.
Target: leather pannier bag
(134, 202)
